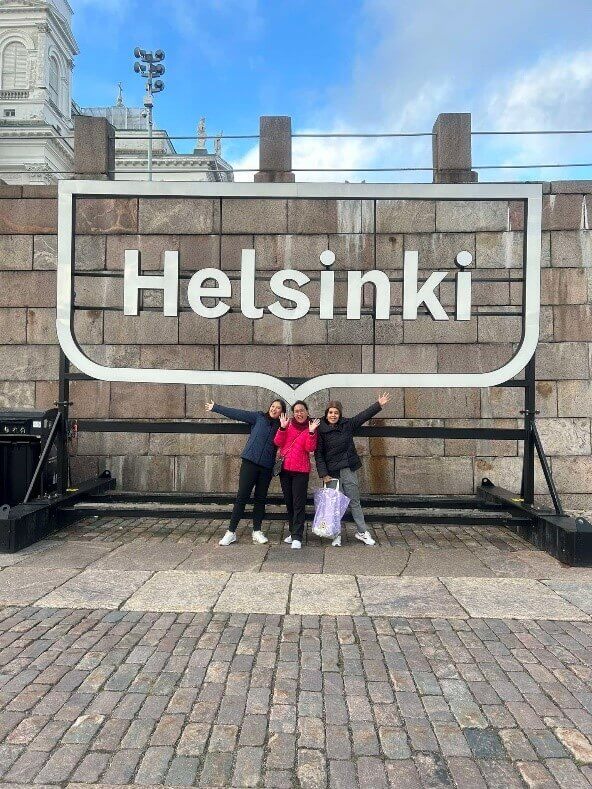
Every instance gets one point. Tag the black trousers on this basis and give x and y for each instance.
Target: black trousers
(251, 476)
(294, 487)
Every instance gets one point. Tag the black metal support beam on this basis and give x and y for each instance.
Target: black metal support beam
(63, 406)
(527, 487)
(547, 470)
(234, 428)
(43, 456)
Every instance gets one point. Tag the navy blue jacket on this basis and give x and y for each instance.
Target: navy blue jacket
(259, 448)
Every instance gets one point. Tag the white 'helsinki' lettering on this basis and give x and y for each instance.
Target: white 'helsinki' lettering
(134, 282)
(197, 290)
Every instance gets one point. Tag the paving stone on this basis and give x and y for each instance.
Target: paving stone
(465, 773)
(255, 593)
(576, 743)
(247, 771)
(325, 594)
(281, 559)
(535, 775)
(248, 559)
(416, 597)
(450, 562)
(311, 769)
(178, 591)
(182, 772)
(144, 555)
(355, 560)
(18, 588)
(510, 597)
(342, 775)
(578, 593)
(484, 743)
(95, 589)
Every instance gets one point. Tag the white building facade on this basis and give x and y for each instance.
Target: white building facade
(37, 51)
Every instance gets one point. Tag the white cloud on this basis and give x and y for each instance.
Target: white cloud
(553, 94)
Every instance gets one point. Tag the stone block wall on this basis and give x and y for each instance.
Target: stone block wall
(292, 233)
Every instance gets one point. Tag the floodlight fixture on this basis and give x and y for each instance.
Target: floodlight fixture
(149, 68)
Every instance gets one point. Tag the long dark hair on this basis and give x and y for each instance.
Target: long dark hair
(277, 400)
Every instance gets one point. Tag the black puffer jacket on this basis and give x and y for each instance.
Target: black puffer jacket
(336, 448)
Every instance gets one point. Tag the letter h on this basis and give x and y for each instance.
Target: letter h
(134, 282)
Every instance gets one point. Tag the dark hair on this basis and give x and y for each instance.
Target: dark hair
(334, 404)
(280, 401)
(299, 402)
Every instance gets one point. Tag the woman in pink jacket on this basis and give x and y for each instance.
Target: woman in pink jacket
(296, 439)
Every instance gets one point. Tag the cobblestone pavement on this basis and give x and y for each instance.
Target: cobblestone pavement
(130, 654)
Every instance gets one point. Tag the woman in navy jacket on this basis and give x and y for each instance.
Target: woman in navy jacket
(257, 467)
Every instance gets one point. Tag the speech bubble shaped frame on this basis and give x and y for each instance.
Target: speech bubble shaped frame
(530, 194)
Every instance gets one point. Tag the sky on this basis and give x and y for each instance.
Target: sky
(355, 66)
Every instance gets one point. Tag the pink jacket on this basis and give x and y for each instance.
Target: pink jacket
(296, 443)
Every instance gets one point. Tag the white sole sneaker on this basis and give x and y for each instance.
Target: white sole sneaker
(365, 538)
(288, 539)
(296, 544)
(337, 542)
(259, 537)
(228, 538)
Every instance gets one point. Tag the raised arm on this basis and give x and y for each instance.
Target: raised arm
(368, 413)
(250, 417)
(365, 415)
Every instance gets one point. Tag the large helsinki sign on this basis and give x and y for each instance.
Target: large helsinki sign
(211, 294)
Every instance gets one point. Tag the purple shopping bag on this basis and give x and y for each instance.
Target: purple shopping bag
(330, 506)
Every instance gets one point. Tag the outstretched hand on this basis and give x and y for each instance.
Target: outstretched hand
(384, 399)
(312, 426)
(209, 405)
(284, 421)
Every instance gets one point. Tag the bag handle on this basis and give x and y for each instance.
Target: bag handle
(336, 480)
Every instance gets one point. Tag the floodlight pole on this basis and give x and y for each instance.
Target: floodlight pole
(149, 67)
(149, 104)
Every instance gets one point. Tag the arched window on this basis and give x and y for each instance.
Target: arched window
(54, 81)
(15, 67)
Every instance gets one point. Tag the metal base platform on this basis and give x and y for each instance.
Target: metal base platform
(25, 524)
(451, 511)
(567, 539)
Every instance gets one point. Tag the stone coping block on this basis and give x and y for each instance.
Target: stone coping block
(16, 252)
(179, 215)
(28, 216)
(106, 215)
(242, 215)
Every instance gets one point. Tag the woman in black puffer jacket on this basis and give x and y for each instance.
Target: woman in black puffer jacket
(337, 459)
(256, 470)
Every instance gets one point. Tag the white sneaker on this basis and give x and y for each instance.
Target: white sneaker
(337, 541)
(288, 539)
(296, 544)
(259, 537)
(365, 538)
(228, 538)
